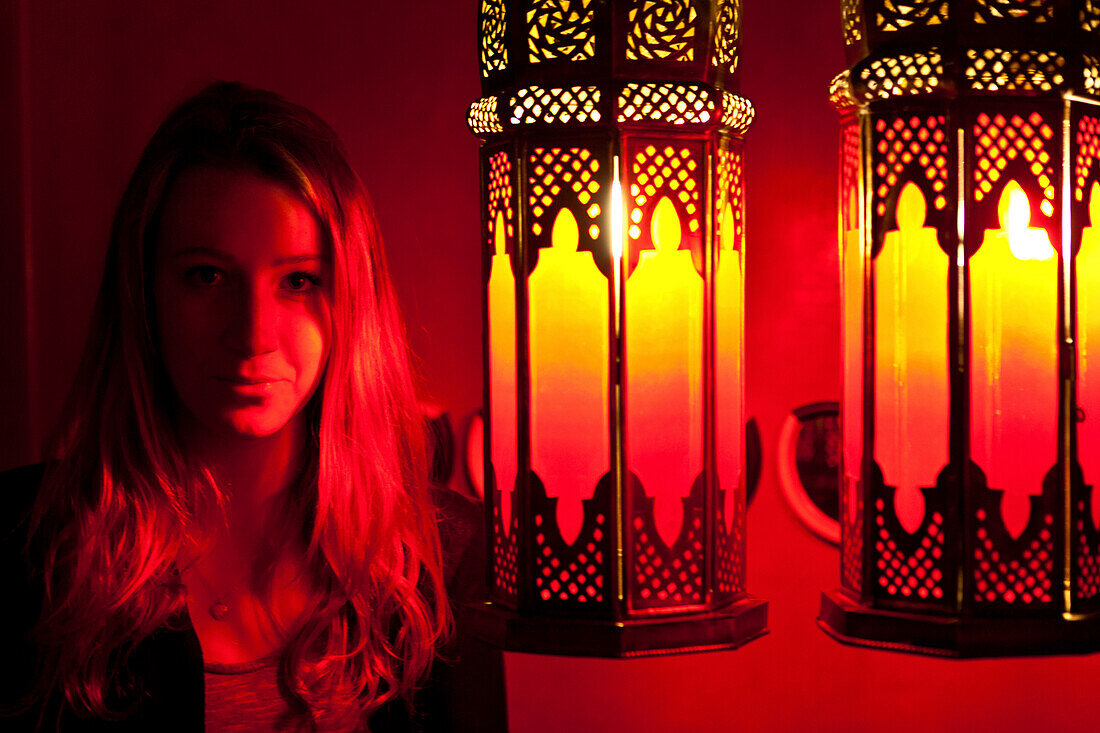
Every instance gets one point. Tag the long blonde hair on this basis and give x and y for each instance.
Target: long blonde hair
(121, 503)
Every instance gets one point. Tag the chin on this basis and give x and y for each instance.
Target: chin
(253, 427)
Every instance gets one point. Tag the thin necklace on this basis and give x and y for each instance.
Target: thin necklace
(219, 608)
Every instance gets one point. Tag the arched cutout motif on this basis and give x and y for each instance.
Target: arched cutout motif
(729, 327)
(664, 360)
(502, 370)
(570, 438)
(912, 400)
(1014, 358)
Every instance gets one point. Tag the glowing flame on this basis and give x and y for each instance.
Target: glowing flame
(616, 213)
(1025, 243)
(665, 228)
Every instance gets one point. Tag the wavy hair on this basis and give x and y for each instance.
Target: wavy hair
(121, 503)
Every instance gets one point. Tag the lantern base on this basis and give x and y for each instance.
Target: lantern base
(725, 628)
(846, 620)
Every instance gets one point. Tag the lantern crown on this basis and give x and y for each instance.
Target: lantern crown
(555, 63)
(913, 48)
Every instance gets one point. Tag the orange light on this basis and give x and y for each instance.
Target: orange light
(1014, 389)
(616, 213)
(1024, 242)
(568, 365)
(502, 370)
(664, 354)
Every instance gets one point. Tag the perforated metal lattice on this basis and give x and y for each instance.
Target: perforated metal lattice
(556, 105)
(851, 542)
(1035, 11)
(483, 118)
(737, 112)
(905, 141)
(909, 567)
(1088, 153)
(655, 171)
(851, 163)
(898, 15)
(661, 29)
(494, 32)
(670, 102)
(1090, 15)
(561, 30)
(840, 91)
(851, 12)
(574, 575)
(731, 182)
(555, 170)
(1087, 583)
(993, 69)
(505, 554)
(1000, 140)
(727, 35)
(730, 567)
(1091, 73)
(668, 576)
(500, 194)
(1004, 575)
(904, 75)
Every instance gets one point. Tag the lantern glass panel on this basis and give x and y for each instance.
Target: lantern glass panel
(852, 264)
(568, 307)
(729, 329)
(501, 365)
(911, 363)
(664, 297)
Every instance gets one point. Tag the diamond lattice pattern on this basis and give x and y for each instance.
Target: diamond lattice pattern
(903, 141)
(558, 105)
(1000, 140)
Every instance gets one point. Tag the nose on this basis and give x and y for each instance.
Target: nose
(251, 326)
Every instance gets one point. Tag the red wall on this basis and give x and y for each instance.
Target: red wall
(85, 85)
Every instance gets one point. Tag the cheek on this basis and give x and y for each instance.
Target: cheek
(182, 330)
(309, 342)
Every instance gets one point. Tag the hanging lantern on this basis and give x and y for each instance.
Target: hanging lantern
(969, 189)
(613, 227)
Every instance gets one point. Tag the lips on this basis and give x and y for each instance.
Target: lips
(248, 381)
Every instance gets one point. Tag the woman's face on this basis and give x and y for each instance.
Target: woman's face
(242, 301)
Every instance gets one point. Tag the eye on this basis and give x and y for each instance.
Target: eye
(204, 276)
(301, 282)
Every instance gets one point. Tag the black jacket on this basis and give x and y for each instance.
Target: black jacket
(465, 691)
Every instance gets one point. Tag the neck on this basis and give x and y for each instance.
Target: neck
(252, 473)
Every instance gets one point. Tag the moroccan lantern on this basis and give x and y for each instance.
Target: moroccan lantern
(613, 226)
(969, 187)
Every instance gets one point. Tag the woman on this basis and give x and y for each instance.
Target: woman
(237, 530)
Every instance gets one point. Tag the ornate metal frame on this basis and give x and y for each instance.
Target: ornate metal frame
(602, 122)
(949, 545)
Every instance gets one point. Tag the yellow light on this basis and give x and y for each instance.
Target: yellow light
(616, 213)
(1025, 243)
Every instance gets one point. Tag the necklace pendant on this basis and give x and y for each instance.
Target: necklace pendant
(218, 610)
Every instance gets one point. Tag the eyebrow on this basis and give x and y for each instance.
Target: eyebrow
(219, 255)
